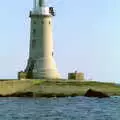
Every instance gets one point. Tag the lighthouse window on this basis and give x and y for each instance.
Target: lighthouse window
(34, 31)
(52, 53)
(34, 22)
(49, 22)
(33, 43)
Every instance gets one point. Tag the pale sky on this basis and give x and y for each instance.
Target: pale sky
(86, 37)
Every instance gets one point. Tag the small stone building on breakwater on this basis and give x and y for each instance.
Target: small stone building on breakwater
(76, 76)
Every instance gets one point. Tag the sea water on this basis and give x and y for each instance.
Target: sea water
(68, 108)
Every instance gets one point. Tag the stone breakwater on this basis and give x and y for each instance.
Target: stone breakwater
(54, 88)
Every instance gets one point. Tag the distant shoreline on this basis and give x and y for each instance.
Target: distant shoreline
(54, 88)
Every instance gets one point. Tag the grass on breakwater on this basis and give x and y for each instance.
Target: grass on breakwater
(54, 88)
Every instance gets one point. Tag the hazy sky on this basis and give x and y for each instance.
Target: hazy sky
(86, 37)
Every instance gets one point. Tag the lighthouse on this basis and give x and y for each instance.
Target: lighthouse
(41, 62)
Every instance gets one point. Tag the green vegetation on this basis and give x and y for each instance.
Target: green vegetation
(37, 82)
(54, 88)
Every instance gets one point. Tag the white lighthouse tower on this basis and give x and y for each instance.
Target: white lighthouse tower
(41, 55)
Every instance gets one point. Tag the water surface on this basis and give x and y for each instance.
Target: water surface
(69, 108)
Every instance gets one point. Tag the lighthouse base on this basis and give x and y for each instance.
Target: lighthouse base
(43, 68)
(46, 74)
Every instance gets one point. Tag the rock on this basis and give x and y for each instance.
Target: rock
(19, 94)
(93, 93)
